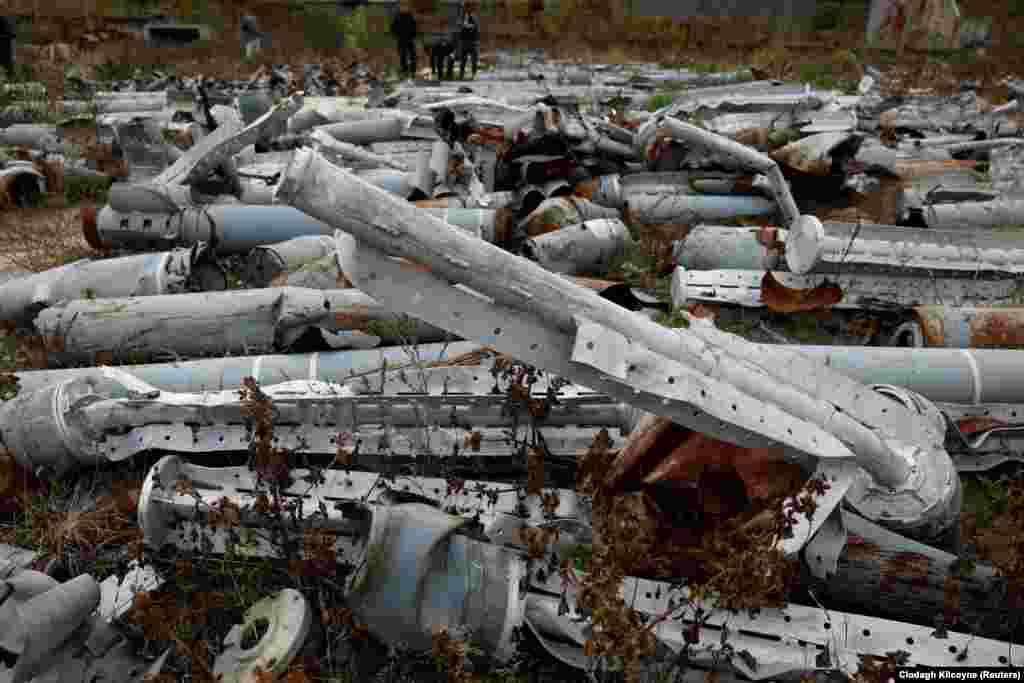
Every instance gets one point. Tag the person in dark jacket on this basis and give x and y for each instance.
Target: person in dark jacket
(442, 52)
(7, 36)
(403, 27)
(469, 40)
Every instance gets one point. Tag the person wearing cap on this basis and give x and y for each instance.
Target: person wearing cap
(468, 40)
(403, 27)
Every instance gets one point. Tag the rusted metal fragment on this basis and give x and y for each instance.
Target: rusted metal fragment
(658, 451)
(813, 154)
(909, 568)
(976, 425)
(782, 299)
(944, 326)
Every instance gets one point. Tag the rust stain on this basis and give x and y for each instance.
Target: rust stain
(989, 327)
(661, 452)
(864, 327)
(906, 566)
(951, 592)
(415, 266)
(504, 223)
(699, 310)
(755, 137)
(355, 317)
(441, 203)
(594, 283)
(586, 189)
(975, 425)
(769, 237)
(777, 297)
(859, 549)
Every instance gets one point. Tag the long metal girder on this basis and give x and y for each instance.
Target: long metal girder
(413, 413)
(720, 385)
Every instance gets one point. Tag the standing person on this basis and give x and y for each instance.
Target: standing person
(403, 27)
(7, 35)
(441, 57)
(469, 39)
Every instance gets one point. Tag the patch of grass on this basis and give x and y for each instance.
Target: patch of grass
(741, 328)
(1016, 8)
(78, 189)
(985, 498)
(820, 75)
(805, 328)
(675, 319)
(660, 100)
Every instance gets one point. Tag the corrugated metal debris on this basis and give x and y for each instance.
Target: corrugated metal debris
(462, 290)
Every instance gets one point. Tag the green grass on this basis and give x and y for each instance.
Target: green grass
(983, 497)
(79, 189)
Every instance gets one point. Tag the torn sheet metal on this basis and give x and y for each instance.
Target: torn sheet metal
(310, 416)
(315, 185)
(193, 376)
(180, 270)
(288, 617)
(753, 96)
(229, 229)
(585, 248)
(813, 155)
(971, 327)
(867, 292)
(201, 324)
(264, 264)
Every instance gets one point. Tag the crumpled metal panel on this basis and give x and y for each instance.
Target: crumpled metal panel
(860, 291)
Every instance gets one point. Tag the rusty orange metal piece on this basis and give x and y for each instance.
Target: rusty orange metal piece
(971, 327)
(777, 297)
(661, 452)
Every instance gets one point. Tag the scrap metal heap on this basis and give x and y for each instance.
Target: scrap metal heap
(502, 335)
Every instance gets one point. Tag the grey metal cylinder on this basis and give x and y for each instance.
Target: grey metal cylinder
(367, 132)
(227, 373)
(263, 264)
(388, 590)
(968, 215)
(581, 248)
(477, 587)
(229, 229)
(653, 209)
(709, 247)
(136, 275)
